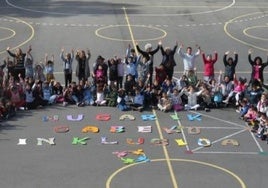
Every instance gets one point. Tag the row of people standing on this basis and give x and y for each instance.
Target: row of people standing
(114, 68)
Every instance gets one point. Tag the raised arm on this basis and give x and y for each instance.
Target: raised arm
(225, 58)
(249, 57)
(215, 57)
(10, 53)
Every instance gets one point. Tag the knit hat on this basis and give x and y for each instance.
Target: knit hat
(147, 46)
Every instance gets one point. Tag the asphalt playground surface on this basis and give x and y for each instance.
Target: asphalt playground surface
(106, 28)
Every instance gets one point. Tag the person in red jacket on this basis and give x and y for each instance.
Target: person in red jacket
(209, 66)
(257, 67)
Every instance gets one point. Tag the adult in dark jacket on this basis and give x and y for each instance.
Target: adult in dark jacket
(230, 64)
(168, 59)
(257, 67)
(18, 59)
(149, 54)
(82, 69)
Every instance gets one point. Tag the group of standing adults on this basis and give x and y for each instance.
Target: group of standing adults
(23, 65)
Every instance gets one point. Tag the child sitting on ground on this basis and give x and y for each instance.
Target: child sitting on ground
(239, 87)
(138, 101)
(121, 103)
(243, 108)
(192, 98)
(101, 86)
(164, 103)
(251, 114)
(112, 97)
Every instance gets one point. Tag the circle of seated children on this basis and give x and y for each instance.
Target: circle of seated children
(108, 86)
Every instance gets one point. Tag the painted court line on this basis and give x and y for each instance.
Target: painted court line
(170, 167)
(258, 144)
(223, 138)
(218, 119)
(184, 137)
(226, 128)
(171, 171)
(227, 152)
(184, 14)
(28, 39)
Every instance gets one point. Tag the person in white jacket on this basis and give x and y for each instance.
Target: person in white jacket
(188, 58)
(192, 98)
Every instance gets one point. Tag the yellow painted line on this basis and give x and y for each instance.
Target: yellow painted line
(238, 40)
(252, 36)
(167, 158)
(30, 37)
(232, 174)
(12, 35)
(130, 30)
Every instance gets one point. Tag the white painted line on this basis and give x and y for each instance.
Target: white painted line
(258, 144)
(223, 138)
(184, 137)
(224, 152)
(37, 11)
(60, 13)
(185, 14)
(226, 128)
(218, 119)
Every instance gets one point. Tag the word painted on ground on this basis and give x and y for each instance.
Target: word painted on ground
(103, 117)
(173, 129)
(50, 118)
(61, 129)
(72, 118)
(117, 129)
(104, 141)
(40, 141)
(127, 116)
(159, 142)
(192, 117)
(144, 129)
(130, 157)
(139, 141)
(90, 129)
(203, 142)
(148, 117)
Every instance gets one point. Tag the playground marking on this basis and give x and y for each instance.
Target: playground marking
(254, 27)
(13, 33)
(167, 158)
(238, 40)
(232, 174)
(220, 139)
(27, 40)
(221, 120)
(182, 14)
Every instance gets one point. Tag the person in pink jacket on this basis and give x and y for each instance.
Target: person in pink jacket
(209, 66)
(240, 86)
